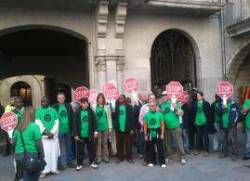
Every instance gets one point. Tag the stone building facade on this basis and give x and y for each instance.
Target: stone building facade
(96, 41)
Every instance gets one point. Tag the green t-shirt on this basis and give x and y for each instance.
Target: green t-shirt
(170, 117)
(246, 105)
(225, 115)
(122, 118)
(216, 116)
(153, 121)
(200, 118)
(101, 119)
(47, 116)
(63, 119)
(19, 113)
(31, 135)
(84, 133)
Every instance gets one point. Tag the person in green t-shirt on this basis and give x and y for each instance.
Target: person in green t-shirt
(47, 119)
(154, 128)
(172, 112)
(246, 112)
(230, 117)
(85, 133)
(27, 140)
(65, 116)
(202, 119)
(124, 126)
(103, 127)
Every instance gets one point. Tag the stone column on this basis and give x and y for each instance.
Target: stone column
(120, 20)
(102, 12)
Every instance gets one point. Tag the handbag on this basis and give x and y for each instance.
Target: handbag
(31, 163)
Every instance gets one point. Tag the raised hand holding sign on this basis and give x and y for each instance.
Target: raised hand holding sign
(8, 122)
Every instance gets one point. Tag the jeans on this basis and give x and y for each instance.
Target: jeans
(151, 152)
(185, 139)
(65, 142)
(202, 141)
(81, 150)
(102, 151)
(230, 139)
(217, 138)
(247, 149)
(123, 142)
(31, 176)
(174, 136)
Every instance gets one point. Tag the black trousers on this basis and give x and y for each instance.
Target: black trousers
(151, 153)
(123, 140)
(8, 144)
(80, 146)
(202, 141)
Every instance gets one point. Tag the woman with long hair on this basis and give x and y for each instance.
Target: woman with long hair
(103, 127)
(28, 142)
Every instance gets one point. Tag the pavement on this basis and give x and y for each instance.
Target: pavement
(198, 168)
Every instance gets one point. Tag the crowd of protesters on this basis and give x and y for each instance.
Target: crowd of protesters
(159, 129)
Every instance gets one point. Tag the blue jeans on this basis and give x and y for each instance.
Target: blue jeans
(185, 139)
(31, 176)
(65, 142)
(247, 149)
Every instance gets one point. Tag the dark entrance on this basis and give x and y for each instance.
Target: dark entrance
(22, 89)
(172, 58)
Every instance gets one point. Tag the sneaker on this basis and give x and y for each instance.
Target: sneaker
(205, 154)
(150, 165)
(183, 161)
(55, 172)
(222, 155)
(130, 161)
(43, 175)
(93, 165)
(234, 157)
(168, 160)
(79, 167)
(61, 167)
(245, 158)
(196, 152)
(163, 166)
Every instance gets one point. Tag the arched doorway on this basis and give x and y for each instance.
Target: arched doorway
(22, 89)
(48, 51)
(172, 58)
(42, 50)
(53, 86)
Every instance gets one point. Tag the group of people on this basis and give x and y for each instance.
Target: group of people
(157, 128)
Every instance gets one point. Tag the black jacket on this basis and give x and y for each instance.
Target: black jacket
(130, 119)
(70, 114)
(206, 108)
(77, 123)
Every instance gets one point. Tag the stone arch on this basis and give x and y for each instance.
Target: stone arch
(236, 60)
(65, 31)
(33, 81)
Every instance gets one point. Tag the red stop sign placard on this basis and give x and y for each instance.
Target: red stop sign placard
(224, 89)
(81, 92)
(8, 121)
(174, 88)
(131, 85)
(110, 91)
